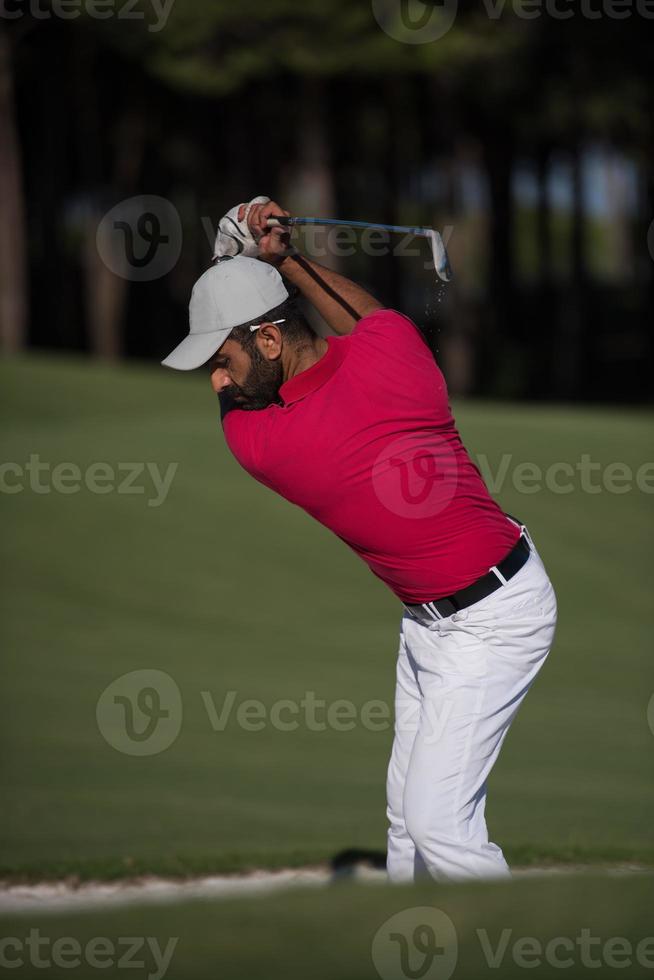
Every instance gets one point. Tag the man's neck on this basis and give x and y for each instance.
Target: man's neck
(304, 358)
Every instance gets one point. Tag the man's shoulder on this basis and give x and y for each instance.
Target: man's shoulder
(387, 331)
(382, 320)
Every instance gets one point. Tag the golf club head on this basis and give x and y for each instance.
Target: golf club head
(439, 253)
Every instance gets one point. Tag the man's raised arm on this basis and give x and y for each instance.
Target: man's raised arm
(341, 302)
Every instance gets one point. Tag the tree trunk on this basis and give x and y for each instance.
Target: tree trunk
(106, 291)
(395, 158)
(307, 184)
(13, 256)
(541, 346)
(649, 236)
(495, 332)
(570, 362)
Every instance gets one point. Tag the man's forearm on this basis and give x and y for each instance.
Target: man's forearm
(338, 300)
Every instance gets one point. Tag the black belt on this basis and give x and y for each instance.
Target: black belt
(499, 575)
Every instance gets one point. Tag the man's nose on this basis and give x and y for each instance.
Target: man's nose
(220, 380)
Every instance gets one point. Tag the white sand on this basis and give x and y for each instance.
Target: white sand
(62, 896)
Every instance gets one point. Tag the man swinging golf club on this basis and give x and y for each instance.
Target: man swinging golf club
(356, 429)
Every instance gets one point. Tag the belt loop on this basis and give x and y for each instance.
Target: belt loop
(524, 530)
(431, 606)
(498, 573)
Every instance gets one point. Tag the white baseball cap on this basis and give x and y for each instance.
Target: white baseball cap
(233, 291)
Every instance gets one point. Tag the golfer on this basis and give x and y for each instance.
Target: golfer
(356, 429)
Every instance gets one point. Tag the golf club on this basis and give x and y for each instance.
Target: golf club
(439, 253)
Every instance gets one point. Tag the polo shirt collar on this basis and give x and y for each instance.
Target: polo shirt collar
(305, 382)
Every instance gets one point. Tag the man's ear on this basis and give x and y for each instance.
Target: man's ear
(269, 341)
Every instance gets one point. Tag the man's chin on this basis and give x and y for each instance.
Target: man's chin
(252, 404)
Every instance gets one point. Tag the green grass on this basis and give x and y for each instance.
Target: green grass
(227, 588)
(331, 934)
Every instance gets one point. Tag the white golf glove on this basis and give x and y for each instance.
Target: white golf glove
(234, 237)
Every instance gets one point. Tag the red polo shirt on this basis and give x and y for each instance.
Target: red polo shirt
(366, 443)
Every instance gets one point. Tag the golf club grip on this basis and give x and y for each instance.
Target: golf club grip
(279, 220)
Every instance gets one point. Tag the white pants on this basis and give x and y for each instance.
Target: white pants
(460, 683)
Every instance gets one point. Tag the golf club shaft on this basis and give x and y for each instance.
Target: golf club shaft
(439, 252)
(289, 222)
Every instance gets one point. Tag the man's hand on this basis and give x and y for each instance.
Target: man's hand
(274, 243)
(233, 236)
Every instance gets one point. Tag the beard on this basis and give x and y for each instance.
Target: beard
(261, 387)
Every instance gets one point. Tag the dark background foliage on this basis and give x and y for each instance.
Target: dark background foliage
(532, 138)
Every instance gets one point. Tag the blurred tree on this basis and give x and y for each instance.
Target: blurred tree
(13, 254)
(319, 98)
